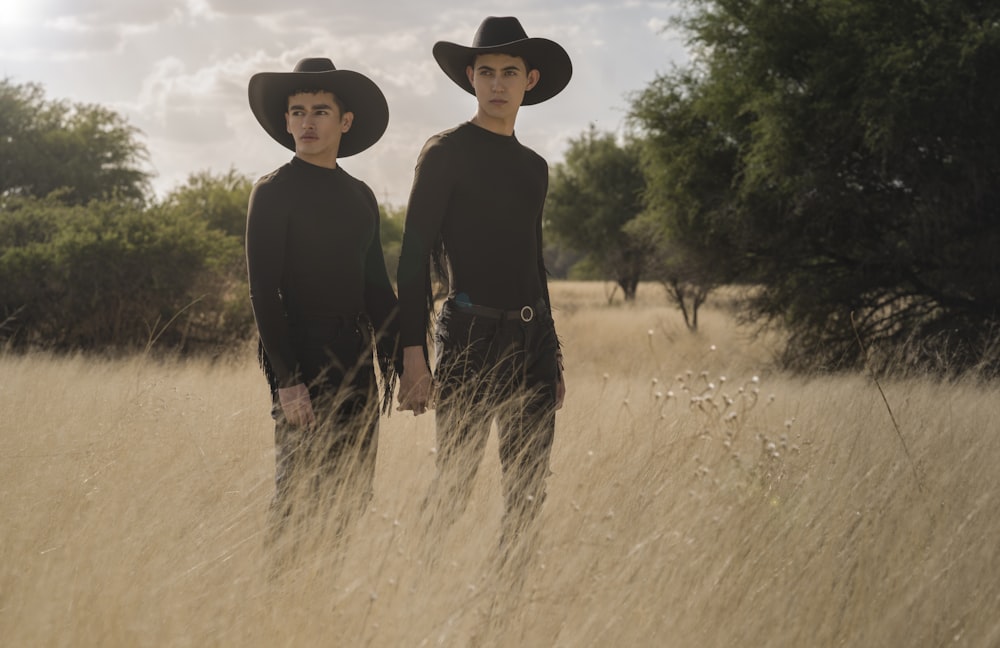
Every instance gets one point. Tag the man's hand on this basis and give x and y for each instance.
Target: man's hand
(296, 405)
(416, 383)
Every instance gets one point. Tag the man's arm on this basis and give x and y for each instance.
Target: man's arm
(433, 180)
(265, 250)
(425, 212)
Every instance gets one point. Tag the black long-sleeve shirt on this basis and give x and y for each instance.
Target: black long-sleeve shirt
(483, 194)
(313, 253)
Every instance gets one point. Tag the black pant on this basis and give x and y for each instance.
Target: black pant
(328, 467)
(503, 369)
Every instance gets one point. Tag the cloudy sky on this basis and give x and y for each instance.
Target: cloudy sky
(178, 69)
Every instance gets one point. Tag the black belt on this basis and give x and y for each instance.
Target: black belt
(525, 313)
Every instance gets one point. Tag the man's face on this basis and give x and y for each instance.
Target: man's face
(315, 121)
(500, 81)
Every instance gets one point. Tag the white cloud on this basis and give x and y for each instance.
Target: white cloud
(657, 25)
(178, 70)
(99, 14)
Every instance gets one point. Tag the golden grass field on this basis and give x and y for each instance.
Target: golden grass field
(771, 510)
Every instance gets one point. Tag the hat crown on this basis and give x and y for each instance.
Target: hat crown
(314, 65)
(498, 31)
(268, 93)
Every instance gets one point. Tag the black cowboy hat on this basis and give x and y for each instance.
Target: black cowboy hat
(506, 36)
(269, 92)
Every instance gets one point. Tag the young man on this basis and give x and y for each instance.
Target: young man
(476, 208)
(318, 284)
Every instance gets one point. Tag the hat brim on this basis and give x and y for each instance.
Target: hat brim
(551, 60)
(269, 91)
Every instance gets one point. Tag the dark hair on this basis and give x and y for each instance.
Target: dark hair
(527, 63)
(341, 106)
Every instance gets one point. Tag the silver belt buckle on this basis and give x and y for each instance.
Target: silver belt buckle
(527, 314)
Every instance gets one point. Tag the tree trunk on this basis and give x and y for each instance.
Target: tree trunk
(629, 285)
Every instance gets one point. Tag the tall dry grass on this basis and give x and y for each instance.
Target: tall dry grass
(698, 498)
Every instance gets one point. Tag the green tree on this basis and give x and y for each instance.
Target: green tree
(688, 277)
(391, 226)
(592, 195)
(843, 155)
(87, 152)
(218, 200)
(689, 160)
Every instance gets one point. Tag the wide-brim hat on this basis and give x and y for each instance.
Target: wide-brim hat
(506, 36)
(269, 92)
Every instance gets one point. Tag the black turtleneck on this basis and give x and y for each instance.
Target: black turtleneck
(483, 194)
(313, 253)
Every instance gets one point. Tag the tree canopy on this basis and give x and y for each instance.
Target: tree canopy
(592, 195)
(843, 157)
(86, 152)
(217, 199)
(107, 275)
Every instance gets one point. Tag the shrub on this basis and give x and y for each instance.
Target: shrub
(109, 275)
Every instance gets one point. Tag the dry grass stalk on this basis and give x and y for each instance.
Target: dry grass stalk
(698, 498)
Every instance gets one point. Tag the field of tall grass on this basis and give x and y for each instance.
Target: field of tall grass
(699, 497)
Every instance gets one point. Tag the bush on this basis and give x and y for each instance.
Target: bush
(109, 275)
